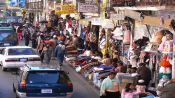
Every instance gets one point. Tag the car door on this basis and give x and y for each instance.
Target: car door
(17, 79)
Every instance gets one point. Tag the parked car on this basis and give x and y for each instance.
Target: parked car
(42, 82)
(8, 35)
(17, 56)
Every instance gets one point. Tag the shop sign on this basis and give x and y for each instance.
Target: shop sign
(84, 22)
(96, 21)
(66, 9)
(123, 3)
(108, 24)
(88, 8)
(117, 16)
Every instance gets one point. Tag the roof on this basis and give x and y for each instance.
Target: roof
(37, 68)
(40, 68)
(18, 47)
(6, 28)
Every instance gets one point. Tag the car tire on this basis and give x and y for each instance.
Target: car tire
(14, 90)
(4, 69)
(1, 63)
(17, 96)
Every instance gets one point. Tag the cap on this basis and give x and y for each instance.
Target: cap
(141, 82)
(54, 36)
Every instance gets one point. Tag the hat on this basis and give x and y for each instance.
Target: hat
(141, 82)
(41, 34)
(54, 36)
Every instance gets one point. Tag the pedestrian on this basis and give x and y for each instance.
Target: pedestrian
(167, 91)
(144, 73)
(60, 52)
(27, 37)
(54, 44)
(93, 41)
(87, 40)
(48, 53)
(129, 91)
(109, 87)
(34, 40)
(19, 32)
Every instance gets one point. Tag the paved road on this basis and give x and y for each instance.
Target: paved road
(82, 89)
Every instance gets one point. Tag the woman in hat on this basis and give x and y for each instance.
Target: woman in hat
(141, 89)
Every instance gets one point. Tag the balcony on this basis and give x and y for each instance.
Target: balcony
(129, 3)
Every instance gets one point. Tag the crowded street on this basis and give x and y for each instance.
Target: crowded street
(87, 49)
(82, 89)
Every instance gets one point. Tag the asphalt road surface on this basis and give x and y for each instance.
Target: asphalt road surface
(82, 89)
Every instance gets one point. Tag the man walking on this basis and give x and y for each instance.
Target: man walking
(27, 37)
(60, 52)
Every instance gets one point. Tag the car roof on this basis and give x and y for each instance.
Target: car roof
(17, 47)
(6, 28)
(37, 68)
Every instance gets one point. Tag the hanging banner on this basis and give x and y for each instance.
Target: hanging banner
(88, 8)
(117, 16)
(158, 21)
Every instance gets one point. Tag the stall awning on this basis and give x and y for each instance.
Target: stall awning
(157, 21)
(84, 22)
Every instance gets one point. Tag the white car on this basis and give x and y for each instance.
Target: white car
(17, 56)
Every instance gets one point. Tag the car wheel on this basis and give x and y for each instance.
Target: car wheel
(14, 90)
(4, 69)
(17, 96)
(1, 63)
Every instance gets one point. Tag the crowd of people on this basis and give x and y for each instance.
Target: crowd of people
(58, 41)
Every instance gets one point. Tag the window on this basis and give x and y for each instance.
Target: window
(21, 51)
(43, 77)
(2, 51)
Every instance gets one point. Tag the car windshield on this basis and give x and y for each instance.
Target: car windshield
(6, 34)
(43, 77)
(21, 51)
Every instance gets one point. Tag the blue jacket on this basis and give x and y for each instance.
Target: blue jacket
(60, 52)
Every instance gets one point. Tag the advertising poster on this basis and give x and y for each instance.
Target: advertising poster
(16, 3)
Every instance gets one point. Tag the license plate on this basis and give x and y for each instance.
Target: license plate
(46, 91)
(23, 60)
(6, 44)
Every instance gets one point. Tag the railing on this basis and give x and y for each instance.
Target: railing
(142, 2)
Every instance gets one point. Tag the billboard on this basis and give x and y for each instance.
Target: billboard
(16, 3)
(88, 8)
